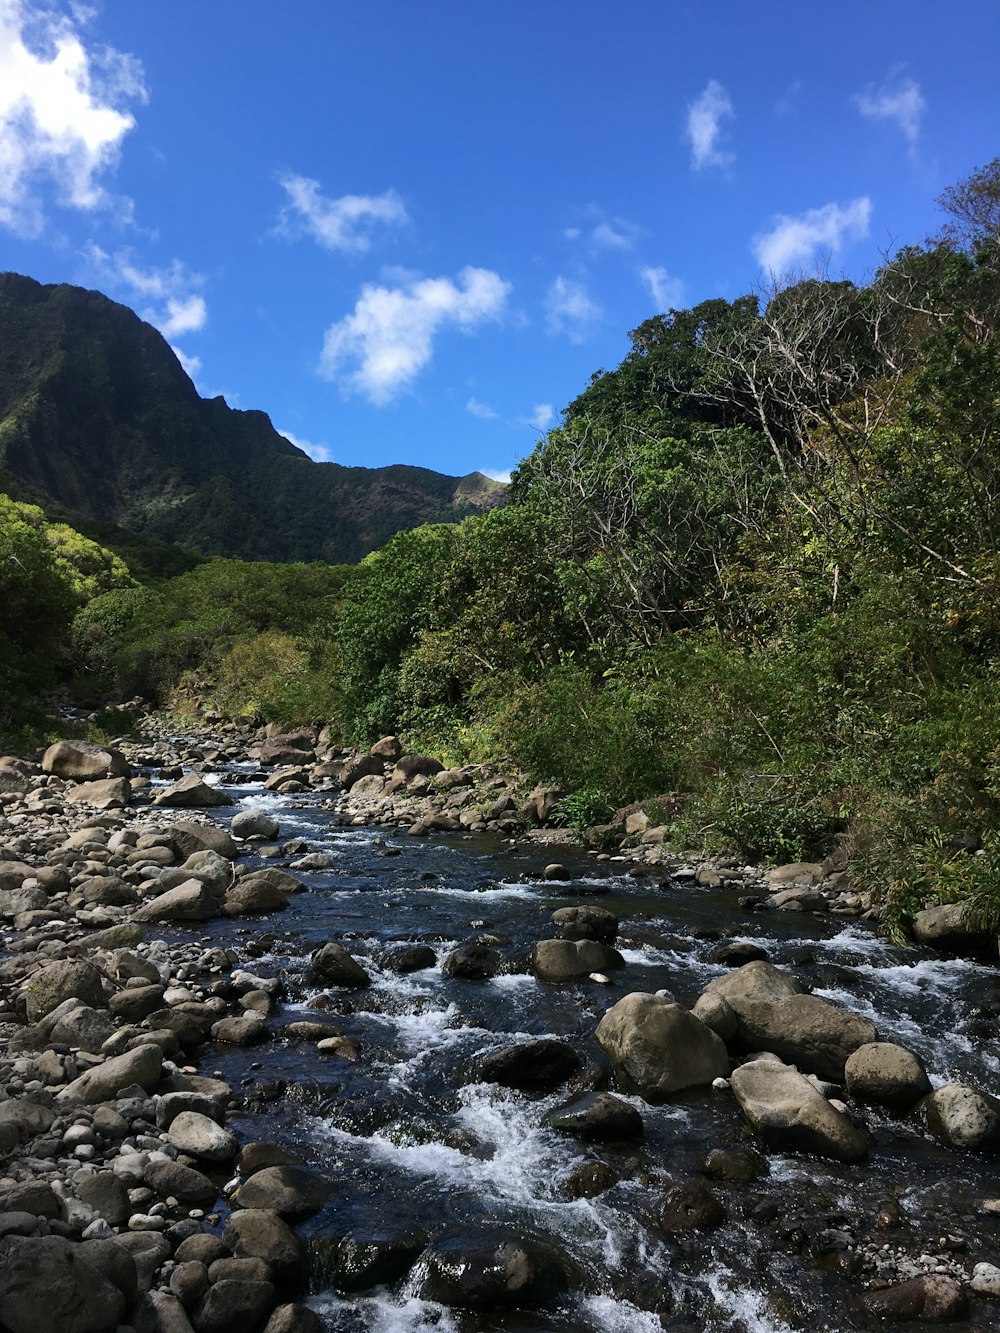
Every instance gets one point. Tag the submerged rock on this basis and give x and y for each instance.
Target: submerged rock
(503, 1273)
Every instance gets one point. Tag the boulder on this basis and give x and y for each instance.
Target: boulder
(82, 761)
(657, 1047)
(569, 960)
(389, 748)
(933, 1297)
(499, 1273)
(689, 1206)
(194, 900)
(753, 984)
(294, 1319)
(475, 960)
(172, 1180)
(84, 1027)
(791, 1115)
(62, 980)
(106, 794)
(188, 837)
(946, 927)
(361, 766)
(260, 891)
(360, 1261)
(191, 792)
(411, 766)
(888, 1074)
(105, 1194)
(291, 1191)
(198, 1136)
(258, 1233)
(103, 1083)
(806, 1031)
(964, 1118)
(530, 1066)
(586, 923)
(254, 824)
(332, 965)
(46, 1284)
(233, 1306)
(597, 1116)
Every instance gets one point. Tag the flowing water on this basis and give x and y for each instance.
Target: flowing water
(413, 1145)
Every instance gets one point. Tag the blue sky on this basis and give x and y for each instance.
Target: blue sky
(411, 231)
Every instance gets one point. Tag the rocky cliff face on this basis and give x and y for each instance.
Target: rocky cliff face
(98, 417)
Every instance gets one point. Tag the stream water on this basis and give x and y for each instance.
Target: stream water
(413, 1145)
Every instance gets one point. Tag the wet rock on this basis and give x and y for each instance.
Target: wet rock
(243, 1031)
(255, 1156)
(361, 1261)
(964, 1118)
(332, 965)
(658, 1048)
(259, 1233)
(736, 1165)
(588, 1180)
(530, 1066)
(103, 1083)
(83, 761)
(737, 953)
(45, 1284)
(291, 1191)
(474, 961)
(932, 1296)
(410, 958)
(294, 1319)
(192, 792)
(570, 960)
(689, 1206)
(555, 870)
(501, 1273)
(66, 979)
(234, 1307)
(586, 923)
(791, 1115)
(199, 1136)
(888, 1074)
(598, 1116)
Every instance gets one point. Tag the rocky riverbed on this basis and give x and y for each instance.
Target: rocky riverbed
(296, 1038)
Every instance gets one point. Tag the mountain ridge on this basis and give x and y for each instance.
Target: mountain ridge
(99, 418)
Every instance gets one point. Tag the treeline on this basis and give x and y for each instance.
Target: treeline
(757, 564)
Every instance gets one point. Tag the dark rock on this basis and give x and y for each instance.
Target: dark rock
(359, 1261)
(499, 1273)
(45, 1284)
(234, 1307)
(586, 923)
(689, 1206)
(531, 1066)
(332, 965)
(172, 1180)
(472, 961)
(291, 1191)
(932, 1296)
(737, 1165)
(410, 958)
(258, 1233)
(598, 1116)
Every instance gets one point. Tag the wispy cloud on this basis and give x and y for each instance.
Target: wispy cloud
(598, 233)
(705, 118)
(191, 365)
(179, 308)
(482, 410)
(788, 100)
(319, 453)
(389, 336)
(542, 416)
(570, 309)
(796, 242)
(343, 224)
(897, 99)
(667, 292)
(62, 116)
(496, 474)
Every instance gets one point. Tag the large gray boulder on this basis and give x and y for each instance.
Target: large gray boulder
(291, 1191)
(188, 836)
(193, 900)
(84, 1027)
(887, 1074)
(569, 960)
(792, 1115)
(104, 794)
(198, 1136)
(260, 891)
(658, 1048)
(254, 824)
(45, 1284)
(103, 1083)
(753, 984)
(332, 965)
(62, 980)
(807, 1031)
(191, 792)
(259, 1233)
(82, 761)
(947, 927)
(964, 1118)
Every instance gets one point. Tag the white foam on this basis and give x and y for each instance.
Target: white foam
(383, 1314)
(618, 1316)
(744, 1309)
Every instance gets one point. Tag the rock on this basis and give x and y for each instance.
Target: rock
(807, 1031)
(737, 1165)
(82, 761)
(243, 1031)
(799, 873)
(137, 1002)
(986, 1279)
(103, 1083)
(258, 1233)
(717, 1013)
(474, 960)
(737, 953)
(162, 1312)
(148, 1250)
(689, 1206)
(945, 927)
(932, 1296)
(389, 748)
(586, 923)
(191, 901)
(406, 958)
(555, 870)
(501, 1273)
(294, 1319)
(361, 766)
(752, 984)
(189, 1282)
(588, 1180)
(105, 1193)
(203, 1248)
(197, 1135)
(115, 1263)
(332, 965)
(46, 1285)
(791, 1115)
(190, 792)
(658, 1048)
(233, 1307)
(35, 1197)
(291, 1191)
(25, 1116)
(598, 1116)
(189, 837)
(69, 978)
(530, 1066)
(172, 1180)
(569, 960)
(254, 824)
(107, 794)
(888, 1074)
(359, 1262)
(964, 1118)
(260, 891)
(411, 766)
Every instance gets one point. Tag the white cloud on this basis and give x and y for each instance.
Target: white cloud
(496, 474)
(601, 233)
(191, 365)
(898, 99)
(542, 416)
(795, 242)
(704, 126)
(62, 120)
(482, 410)
(319, 453)
(390, 333)
(336, 224)
(570, 309)
(179, 309)
(667, 292)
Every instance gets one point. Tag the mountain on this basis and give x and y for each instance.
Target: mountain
(99, 421)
